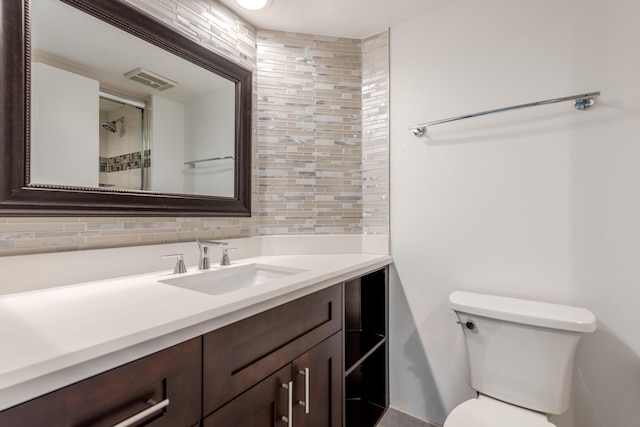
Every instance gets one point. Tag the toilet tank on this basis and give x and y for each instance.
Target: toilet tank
(522, 351)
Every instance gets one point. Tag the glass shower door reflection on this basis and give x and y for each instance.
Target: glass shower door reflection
(124, 155)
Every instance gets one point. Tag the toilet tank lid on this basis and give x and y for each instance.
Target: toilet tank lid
(535, 313)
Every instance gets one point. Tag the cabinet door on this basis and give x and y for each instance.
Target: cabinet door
(318, 385)
(171, 376)
(261, 406)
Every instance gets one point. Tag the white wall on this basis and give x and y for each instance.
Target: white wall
(542, 203)
(64, 131)
(210, 132)
(167, 149)
(182, 132)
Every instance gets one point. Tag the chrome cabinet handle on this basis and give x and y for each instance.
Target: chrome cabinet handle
(289, 387)
(143, 414)
(305, 374)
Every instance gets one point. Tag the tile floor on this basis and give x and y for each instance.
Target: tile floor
(394, 418)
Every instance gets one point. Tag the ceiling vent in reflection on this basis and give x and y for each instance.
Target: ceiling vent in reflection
(151, 79)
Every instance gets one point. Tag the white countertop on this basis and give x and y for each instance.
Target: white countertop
(54, 337)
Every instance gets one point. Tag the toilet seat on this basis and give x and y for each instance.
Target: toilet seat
(488, 412)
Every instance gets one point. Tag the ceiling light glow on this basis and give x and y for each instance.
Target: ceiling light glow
(253, 4)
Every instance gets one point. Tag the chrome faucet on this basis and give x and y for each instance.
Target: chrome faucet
(204, 263)
(203, 260)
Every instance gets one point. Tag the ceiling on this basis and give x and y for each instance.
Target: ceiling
(343, 18)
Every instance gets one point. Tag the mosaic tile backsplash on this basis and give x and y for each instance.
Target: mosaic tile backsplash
(125, 162)
(320, 140)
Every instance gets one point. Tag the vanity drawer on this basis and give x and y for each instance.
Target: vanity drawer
(242, 354)
(116, 395)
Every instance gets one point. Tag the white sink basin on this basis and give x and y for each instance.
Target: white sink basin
(228, 279)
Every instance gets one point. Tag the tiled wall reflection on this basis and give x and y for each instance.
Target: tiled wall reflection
(124, 171)
(321, 159)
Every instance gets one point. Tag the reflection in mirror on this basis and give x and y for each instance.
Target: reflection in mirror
(124, 149)
(39, 178)
(111, 110)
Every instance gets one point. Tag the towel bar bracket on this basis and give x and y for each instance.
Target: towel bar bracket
(584, 103)
(419, 131)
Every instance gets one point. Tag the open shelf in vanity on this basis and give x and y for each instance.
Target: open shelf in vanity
(366, 348)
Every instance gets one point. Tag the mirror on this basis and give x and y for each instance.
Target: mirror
(130, 118)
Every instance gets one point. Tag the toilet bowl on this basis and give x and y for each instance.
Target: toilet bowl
(520, 355)
(485, 411)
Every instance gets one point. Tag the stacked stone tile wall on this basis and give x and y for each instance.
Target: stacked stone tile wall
(309, 127)
(375, 134)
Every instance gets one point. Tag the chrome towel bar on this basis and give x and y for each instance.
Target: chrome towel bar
(192, 163)
(581, 102)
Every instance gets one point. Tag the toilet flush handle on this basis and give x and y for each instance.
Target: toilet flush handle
(469, 324)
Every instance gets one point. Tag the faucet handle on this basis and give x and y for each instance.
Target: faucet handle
(225, 256)
(180, 267)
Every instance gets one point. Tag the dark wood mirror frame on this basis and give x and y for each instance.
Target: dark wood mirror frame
(18, 198)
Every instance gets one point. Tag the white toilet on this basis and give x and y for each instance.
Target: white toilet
(520, 359)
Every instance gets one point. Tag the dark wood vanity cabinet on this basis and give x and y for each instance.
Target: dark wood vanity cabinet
(318, 361)
(337, 337)
(301, 342)
(170, 377)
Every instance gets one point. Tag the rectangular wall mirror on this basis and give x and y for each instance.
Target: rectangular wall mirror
(111, 112)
